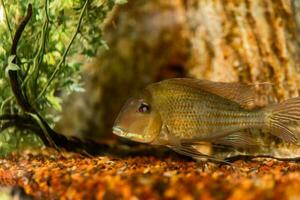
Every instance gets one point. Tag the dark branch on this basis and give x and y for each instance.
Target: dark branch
(23, 122)
(16, 85)
(13, 75)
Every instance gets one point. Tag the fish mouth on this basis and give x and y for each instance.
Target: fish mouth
(125, 134)
(119, 131)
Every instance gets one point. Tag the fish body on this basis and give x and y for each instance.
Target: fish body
(185, 113)
(190, 113)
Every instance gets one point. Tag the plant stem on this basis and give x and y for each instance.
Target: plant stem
(33, 72)
(4, 102)
(7, 21)
(65, 53)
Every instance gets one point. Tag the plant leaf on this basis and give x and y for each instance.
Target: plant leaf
(11, 66)
(54, 101)
(11, 58)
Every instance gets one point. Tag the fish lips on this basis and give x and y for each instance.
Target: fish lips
(119, 131)
(128, 135)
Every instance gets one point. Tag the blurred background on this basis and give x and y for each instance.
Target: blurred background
(246, 41)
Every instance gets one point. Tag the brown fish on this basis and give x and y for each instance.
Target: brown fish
(183, 113)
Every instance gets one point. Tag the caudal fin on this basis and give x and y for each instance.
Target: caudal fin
(284, 118)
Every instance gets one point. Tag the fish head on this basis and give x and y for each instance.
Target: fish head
(138, 120)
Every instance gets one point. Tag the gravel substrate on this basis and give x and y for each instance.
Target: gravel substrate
(52, 175)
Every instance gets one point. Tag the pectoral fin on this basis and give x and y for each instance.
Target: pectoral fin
(238, 140)
(189, 150)
(232, 140)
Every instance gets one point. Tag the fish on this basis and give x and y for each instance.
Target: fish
(203, 119)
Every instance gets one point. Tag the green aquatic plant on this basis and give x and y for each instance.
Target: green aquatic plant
(40, 63)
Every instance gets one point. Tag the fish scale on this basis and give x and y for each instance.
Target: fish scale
(227, 116)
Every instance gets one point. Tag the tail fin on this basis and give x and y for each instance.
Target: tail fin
(282, 119)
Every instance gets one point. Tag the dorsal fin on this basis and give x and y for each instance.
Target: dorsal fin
(243, 94)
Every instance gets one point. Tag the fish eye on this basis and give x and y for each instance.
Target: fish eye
(144, 108)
